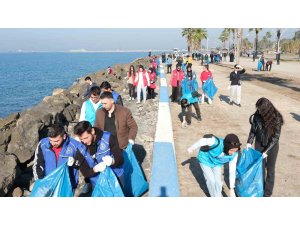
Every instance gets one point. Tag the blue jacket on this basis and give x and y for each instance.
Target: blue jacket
(189, 86)
(169, 61)
(45, 161)
(90, 112)
(103, 149)
(211, 158)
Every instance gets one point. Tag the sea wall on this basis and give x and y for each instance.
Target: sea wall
(21, 132)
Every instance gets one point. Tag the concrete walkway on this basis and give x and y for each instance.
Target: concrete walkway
(220, 118)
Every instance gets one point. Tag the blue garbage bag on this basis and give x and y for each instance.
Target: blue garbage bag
(107, 185)
(210, 88)
(55, 184)
(135, 183)
(249, 177)
(259, 65)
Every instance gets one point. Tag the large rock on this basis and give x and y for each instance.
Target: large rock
(8, 166)
(25, 137)
(57, 91)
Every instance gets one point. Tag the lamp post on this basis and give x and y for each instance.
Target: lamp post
(207, 45)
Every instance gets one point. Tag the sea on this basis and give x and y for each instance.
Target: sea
(26, 78)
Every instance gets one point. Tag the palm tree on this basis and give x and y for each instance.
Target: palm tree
(224, 36)
(257, 30)
(188, 34)
(198, 35)
(229, 31)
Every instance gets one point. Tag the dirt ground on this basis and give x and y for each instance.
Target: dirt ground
(281, 86)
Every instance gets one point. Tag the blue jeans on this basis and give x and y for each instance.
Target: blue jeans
(213, 179)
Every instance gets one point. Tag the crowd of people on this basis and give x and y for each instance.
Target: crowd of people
(106, 128)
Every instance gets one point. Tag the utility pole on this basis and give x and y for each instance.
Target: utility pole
(207, 45)
(278, 46)
(238, 45)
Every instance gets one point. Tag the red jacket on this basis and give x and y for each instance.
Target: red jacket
(176, 78)
(205, 76)
(144, 78)
(152, 78)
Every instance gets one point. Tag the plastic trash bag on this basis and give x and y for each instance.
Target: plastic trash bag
(259, 66)
(210, 88)
(55, 184)
(107, 185)
(135, 183)
(249, 177)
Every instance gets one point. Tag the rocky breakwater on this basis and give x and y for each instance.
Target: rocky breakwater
(21, 132)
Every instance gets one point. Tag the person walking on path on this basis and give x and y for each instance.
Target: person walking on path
(152, 86)
(90, 106)
(235, 85)
(175, 83)
(189, 92)
(53, 151)
(90, 84)
(204, 76)
(142, 80)
(117, 120)
(101, 150)
(131, 82)
(213, 153)
(169, 64)
(266, 125)
(105, 86)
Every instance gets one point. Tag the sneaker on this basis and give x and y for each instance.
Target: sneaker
(230, 103)
(239, 105)
(86, 188)
(209, 101)
(138, 102)
(189, 123)
(199, 119)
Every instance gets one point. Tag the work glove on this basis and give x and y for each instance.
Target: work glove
(232, 193)
(131, 141)
(71, 161)
(190, 150)
(264, 155)
(210, 141)
(248, 146)
(100, 167)
(108, 160)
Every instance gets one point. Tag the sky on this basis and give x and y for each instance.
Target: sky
(97, 39)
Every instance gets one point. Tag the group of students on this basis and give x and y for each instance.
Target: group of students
(214, 152)
(185, 86)
(104, 130)
(143, 81)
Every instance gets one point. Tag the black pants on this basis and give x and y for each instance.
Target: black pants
(268, 67)
(269, 164)
(131, 90)
(174, 94)
(151, 93)
(189, 114)
(169, 68)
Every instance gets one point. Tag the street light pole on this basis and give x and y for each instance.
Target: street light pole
(207, 45)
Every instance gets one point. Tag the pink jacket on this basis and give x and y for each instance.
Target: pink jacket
(152, 77)
(176, 78)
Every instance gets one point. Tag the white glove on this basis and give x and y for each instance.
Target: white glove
(248, 146)
(190, 150)
(108, 160)
(210, 141)
(71, 161)
(131, 141)
(232, 193)
(100, 167)
(264, 155)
